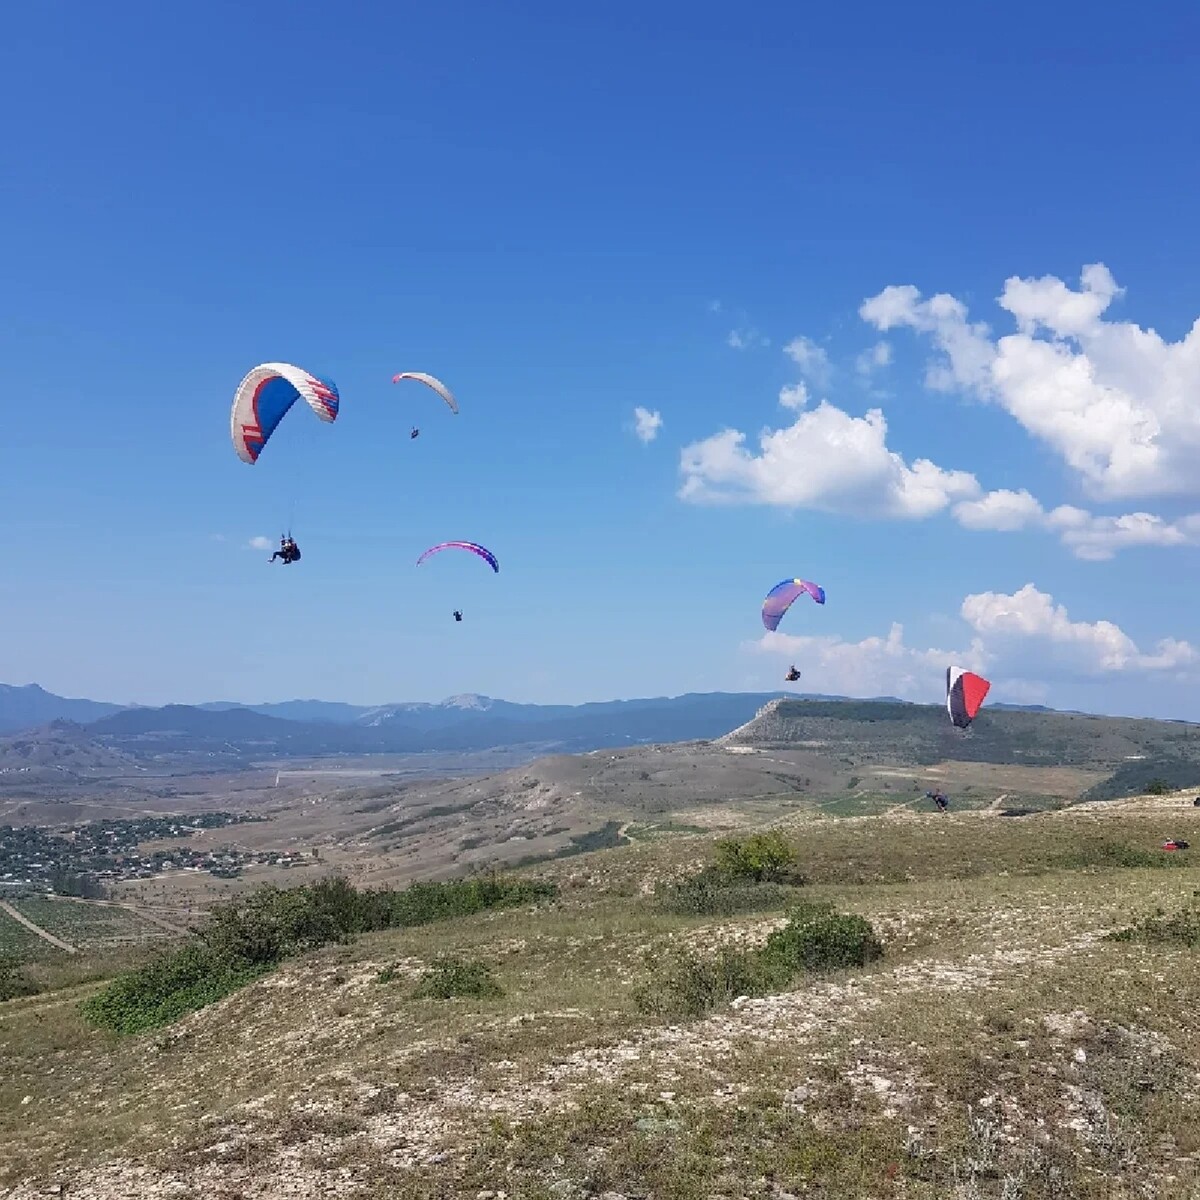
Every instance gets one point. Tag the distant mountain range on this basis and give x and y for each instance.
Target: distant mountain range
(222, 733)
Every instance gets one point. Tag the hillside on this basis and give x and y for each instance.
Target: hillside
(921, 734)
(61, 752)
(30, 706)
(1004, 1045)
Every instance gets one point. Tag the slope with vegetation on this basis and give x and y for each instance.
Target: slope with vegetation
(905, 1005)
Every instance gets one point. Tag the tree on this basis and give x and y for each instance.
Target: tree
(762, 857)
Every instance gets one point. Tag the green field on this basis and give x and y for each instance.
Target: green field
(19, 942)
(85, 925)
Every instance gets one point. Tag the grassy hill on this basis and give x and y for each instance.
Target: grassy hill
(921, 734)
(1003, 1045)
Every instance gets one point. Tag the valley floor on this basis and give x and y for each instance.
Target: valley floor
(1002, 1047)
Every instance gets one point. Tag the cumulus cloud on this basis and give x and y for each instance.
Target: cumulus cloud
(646, 424)
(259, 543)
(832, 461)
(827, 460)
(1023, 642)
(1113, 399)
(1085, 534)
(793, 395)
(1029, 619)
(874, 666)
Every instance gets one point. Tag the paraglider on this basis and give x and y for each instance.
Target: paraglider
(263, 399)
(473, 547)
(429, 381)
(965, 692)
(939, 798)
(288, 550)
(779, 599)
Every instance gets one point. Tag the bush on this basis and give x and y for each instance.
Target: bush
(452, 976)
(712, 894)
(248, 936)
(13, 980)
(762, 857)
(816, 938)
(685, 984)
(169, 987)
(1182, 927)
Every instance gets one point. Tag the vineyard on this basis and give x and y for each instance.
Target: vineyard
(85, 926)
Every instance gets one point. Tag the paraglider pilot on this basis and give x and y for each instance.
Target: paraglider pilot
(792, 675)
(457, 615)
(288, 550)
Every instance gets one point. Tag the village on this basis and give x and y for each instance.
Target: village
(84, 859)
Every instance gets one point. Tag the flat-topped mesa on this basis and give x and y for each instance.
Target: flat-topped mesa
(763, 727)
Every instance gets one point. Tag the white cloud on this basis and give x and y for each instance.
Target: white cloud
(827, 460)
(793, 395)
(1085, 534)
(1029, 619)
(1114, 400)
(810, 358)
(1002, 509)
(875, 666)
(646, 423)
(1020, 641)
(870, 361)
(830, 461)
(259, 543)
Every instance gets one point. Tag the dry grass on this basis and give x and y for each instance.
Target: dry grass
(1002, 1048)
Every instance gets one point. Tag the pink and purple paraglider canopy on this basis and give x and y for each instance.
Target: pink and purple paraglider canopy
(779, 599)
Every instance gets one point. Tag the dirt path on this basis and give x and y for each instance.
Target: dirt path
(16, 916)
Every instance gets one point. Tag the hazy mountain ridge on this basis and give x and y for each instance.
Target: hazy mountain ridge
(244, 732)
(30, 706)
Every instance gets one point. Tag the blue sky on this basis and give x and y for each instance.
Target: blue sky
(569, 213)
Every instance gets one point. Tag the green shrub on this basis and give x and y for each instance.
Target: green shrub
(816, 938)
(1182, 927)
(683, 983)
(453, 977)
(175, 983)
(711, 894)
(762, 857)
(248, 936)
(13, 980)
